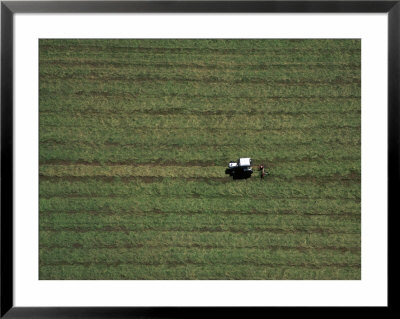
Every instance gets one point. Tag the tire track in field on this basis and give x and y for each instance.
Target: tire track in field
(130, 96)
(101, 212)
(211, 180)
(189, 163)
(185, 111)
(205, 85)
(196, 50)
(356, 250)
(217, 129)
(306, 66)
(321, 180)
(191, 96)
(204, 80)
(190, 196)
(211, 145)
(188, 97)
(217, 229)
(184, 263)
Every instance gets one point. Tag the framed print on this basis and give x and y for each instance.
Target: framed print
(163, 155)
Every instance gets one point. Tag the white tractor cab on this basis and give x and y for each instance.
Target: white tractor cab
(240, 169)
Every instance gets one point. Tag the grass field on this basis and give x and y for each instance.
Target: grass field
(135, 136)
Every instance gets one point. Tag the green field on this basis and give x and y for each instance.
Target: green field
(135, 136)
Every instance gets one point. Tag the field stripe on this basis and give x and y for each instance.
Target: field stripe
(307, 230)
(141, 112)
(194, 49)
(80, 63)
(306, 179)
(186, 188)
(148, 128)
(355, 250)
(204, 80)
(193, 272)
(209, 43)
(126, 94)
(196, 272)
(305, 265)
(228, 239)
(181, 171)
(93, 142)
(156, 212)
(146, 203)
(199, 196)
(283, 163)
(194, 103)
(287, 54)
(197, 255)
(188, 163)
(187, 141)
(178, 255)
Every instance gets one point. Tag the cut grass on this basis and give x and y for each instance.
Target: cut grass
(186, 188)
(204, 256)
(98, 239)
(75, 103)
(198, 272)
(135, 136)
(203, 221)
(304, 160)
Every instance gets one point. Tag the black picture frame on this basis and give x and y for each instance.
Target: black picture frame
(9, 8)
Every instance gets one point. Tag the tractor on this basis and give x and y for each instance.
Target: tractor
(240, 169)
